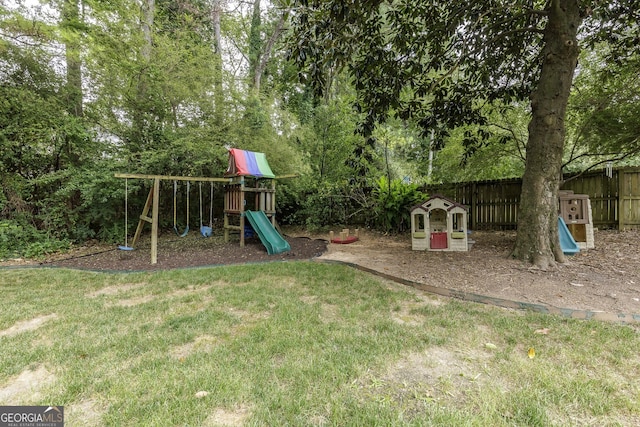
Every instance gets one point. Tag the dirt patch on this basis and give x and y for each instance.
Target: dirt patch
(606, 278)
(86, 413)
(228, 418)
(26, 387)
(417, 380)
(132, 302)
(116, 289)
(189, 291)
(204, 343)
(27, 325)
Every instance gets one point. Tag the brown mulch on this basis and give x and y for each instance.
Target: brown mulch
(190, 251)
(606, 278)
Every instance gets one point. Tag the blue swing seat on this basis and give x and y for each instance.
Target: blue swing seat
(184, 233)
(206, 231)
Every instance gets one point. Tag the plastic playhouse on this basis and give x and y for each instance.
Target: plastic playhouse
(575, 210)
(439, 224)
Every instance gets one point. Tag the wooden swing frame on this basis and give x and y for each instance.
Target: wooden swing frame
(153, 203)
(232, 194)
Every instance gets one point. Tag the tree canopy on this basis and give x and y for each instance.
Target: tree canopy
(448, 64)
(91, 87)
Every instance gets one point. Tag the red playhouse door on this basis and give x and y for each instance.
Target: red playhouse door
(439, 240)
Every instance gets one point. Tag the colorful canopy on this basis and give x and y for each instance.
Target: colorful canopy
(248, 163)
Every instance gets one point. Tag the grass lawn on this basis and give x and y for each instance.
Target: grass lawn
(300, 344)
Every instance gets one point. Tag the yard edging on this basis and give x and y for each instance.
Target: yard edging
(496, 301)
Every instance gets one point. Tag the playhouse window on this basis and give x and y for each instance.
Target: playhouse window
(419, 222)
(419, 226)
(457, 222)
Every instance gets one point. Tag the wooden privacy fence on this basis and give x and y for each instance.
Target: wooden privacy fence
(493, 205)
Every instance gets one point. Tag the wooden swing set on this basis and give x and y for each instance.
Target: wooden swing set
(152, 205)
(234, 205)
(242, 165)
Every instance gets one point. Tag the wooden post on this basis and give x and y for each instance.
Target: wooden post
(154, 223)
(144, 217)
(241, 208)
(621, 191)
(272, 202)
(257, 199)
(473, 207)
(227, 196)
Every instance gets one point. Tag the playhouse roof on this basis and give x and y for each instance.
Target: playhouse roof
(451, 203)
(248, 163)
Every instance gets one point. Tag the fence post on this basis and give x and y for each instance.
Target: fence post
(473, 206)
(629, 198)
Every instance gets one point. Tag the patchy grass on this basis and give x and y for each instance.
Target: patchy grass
(300, 344)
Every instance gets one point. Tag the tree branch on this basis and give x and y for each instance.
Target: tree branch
(266, 54)
(601, 162)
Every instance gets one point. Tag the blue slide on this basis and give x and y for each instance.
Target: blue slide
(567, 243)
(269, 236)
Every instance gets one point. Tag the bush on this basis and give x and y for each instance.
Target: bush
(393, 202)
(317, 205)
(24, 240)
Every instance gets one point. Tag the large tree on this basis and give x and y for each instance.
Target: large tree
(444, 64)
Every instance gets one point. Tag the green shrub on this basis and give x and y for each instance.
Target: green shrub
(393, 201)
(24, 240)
(331, 204)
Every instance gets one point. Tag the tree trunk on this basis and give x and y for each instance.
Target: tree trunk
(216, 16)
(255, 42)
(71, 19)
(537, 239)
(140, 121)
(266, 54)
(148, 14)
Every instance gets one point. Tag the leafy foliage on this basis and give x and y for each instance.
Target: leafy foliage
(325, 203)
(422, 60)
(25, 240)
(393, 201)
(604, 112)
(146, 88)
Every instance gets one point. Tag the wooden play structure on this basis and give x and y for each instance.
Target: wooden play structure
(250, 174)
(439, 224)
(151, 207)
(575, 210)
(248, 177)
